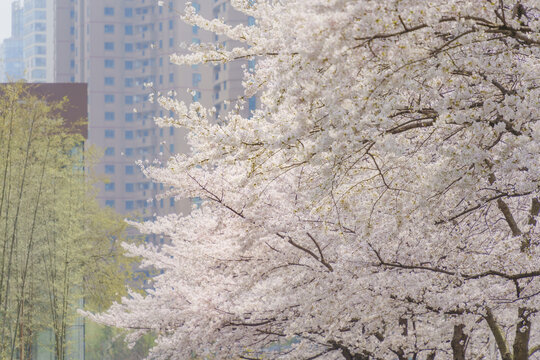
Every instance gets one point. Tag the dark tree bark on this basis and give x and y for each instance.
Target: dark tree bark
(459, 342)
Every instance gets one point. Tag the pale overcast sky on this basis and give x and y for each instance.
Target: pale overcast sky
(5, 19)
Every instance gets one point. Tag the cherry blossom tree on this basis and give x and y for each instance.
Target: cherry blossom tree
(383, 201)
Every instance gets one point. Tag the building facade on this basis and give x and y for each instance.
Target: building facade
(123, 45)
(116, 47)
(11, 49)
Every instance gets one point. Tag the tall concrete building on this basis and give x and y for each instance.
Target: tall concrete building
(11, 50)
(118, 46)
(121, 46)
(227, 78)
(48, 40)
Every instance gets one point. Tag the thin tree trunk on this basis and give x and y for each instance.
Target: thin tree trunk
(15, 222)
(6, 191)
(20, 315)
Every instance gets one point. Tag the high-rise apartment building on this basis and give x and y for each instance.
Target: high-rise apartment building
(41, 42)
(38, 40)
(227, 78)
(123, 46)
(11, 50)
(118, 46)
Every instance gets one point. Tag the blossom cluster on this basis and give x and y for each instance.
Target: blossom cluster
(381, 203)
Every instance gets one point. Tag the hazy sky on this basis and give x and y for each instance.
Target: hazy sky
(5, 19)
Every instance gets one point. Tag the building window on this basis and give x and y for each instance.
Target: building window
(109, 11)
(40, 38)
(171, 42)
(109, 46)
(109, 63)
(109, 81)
(196, 79)
(129, 117)
(128, 29)
(128, 12)
(109, 203)
(109, 99)
(109, 134)
(197, 96)
(128, 47)
(252, 103)
(251, 65)
(251, 21)
(197, 7)
(171, 25)
(39, 61)
(128, 134)
(109, 186)
(130, 187)
(130, 170)
(128, 65)
(130, 205)
(171, 202)
(109, 29)
(128, 100)
(128, 82)
(109, 169)
(171, 148)
(109, 116)
(171, 77)
(129, 152)
(109, 151)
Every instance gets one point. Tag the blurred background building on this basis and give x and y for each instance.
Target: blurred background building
(11, 49)
(116, 47)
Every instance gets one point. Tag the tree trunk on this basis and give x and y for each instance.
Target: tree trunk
(523, 332)
(459, 342)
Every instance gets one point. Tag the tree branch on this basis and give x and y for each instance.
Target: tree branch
(533, 350)
(307, 251)
(320, 252)
(476, 276)
(535, 210)
(508, 217)
(498, 334)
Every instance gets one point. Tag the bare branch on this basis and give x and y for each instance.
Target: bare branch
(320, 252)
(533, 350)
(307, 251)
(535, 210)
(509, 217)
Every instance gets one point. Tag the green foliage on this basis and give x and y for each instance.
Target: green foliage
(107, 343)
(57, 245)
